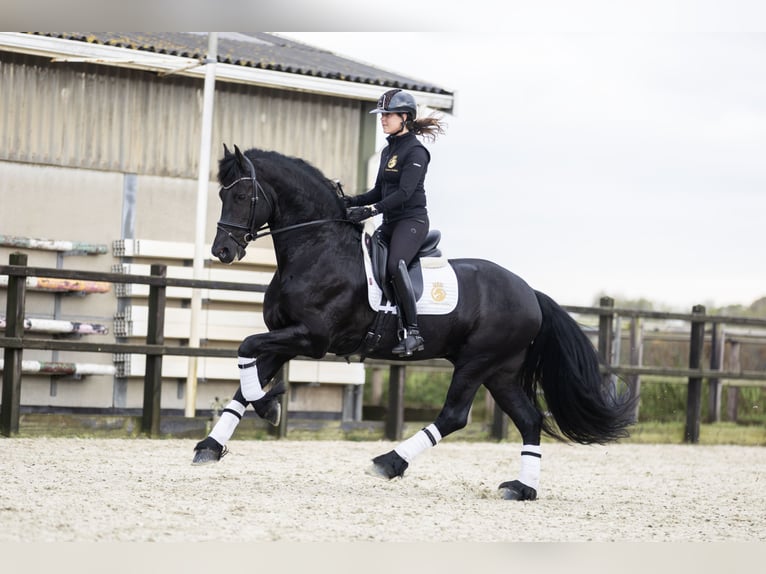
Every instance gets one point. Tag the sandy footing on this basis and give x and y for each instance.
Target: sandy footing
(137, 490)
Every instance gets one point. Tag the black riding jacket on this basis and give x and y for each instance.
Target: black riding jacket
(399, 192)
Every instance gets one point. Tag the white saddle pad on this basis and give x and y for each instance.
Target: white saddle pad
(440, 290)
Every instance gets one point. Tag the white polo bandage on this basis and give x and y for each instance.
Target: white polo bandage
(227, 423)
(417, 443)
(248, 379)
(531, 457)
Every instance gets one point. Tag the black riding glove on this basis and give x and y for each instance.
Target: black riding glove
(359, 214)
(348, 201)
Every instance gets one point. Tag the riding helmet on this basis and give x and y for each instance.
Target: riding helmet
(396, 102)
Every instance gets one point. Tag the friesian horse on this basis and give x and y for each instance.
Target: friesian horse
(501, 334)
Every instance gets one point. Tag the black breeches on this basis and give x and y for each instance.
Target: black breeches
(404, 240)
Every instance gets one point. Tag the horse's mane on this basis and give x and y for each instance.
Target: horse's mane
(281, 171)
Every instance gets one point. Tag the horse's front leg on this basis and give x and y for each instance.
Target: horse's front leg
(256, 358)
(453, 417)
(267, 405)
(259, 358)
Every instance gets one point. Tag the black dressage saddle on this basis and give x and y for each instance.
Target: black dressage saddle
(377, 247)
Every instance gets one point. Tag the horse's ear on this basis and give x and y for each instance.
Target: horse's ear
(226, 152)
(240, 157)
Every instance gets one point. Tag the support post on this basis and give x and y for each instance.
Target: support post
(14, 327)
(714, 385)
(694, 390)
(395, 415)
(155, 335)
(203, 181)
(350, 403)
(376, 395)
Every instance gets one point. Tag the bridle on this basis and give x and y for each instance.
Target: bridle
(251, 231)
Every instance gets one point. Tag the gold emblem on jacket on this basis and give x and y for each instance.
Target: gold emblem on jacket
(392, 162)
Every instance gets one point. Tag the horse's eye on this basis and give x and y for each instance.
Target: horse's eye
(241, 196)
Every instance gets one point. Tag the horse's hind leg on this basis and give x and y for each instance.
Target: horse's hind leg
(510, 397)
(453, 417)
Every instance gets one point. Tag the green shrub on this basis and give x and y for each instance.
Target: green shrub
(665, 401)
(423, 390)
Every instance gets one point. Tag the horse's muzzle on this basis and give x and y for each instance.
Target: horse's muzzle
(227, 255)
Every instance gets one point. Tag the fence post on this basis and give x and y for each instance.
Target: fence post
(14, 327)
(636, 359)
(155, 335)
(716, 361)
(732, 392)
(694, 390)
(499, 429)
(605, 321)
(395, 415)
(284, 400)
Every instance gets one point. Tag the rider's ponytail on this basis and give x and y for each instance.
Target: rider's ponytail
(428, 127)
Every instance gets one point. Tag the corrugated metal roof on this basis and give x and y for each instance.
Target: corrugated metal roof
(256, 50)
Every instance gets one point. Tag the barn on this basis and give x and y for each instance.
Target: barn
(99, 157)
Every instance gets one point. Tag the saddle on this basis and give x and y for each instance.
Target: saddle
(378, 250)
(439, 278)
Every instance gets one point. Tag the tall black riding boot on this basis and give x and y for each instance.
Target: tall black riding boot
(405, 300)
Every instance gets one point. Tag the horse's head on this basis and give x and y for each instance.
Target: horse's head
(245, 206)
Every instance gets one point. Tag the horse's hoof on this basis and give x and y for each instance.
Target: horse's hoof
(269, 410)
(389, 465)
(269, 407)
(208, 450)
(274, 413)
(515, 490)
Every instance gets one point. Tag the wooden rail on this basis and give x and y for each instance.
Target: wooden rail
(14, 342)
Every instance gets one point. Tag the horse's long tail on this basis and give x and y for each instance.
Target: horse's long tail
(564, 363)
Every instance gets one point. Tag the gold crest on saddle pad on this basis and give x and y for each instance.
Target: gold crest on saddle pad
(438, 293)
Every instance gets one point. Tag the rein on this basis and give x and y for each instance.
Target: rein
(295, 226)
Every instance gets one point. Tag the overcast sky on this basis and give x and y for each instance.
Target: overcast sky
(631, 164)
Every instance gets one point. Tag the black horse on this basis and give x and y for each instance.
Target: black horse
(501, 333)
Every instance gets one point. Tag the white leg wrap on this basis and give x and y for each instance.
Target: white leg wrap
(530, 465)
(228, 422)
(248, 379)
(417, 443)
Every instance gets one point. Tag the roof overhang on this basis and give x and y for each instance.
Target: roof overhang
(63, 50)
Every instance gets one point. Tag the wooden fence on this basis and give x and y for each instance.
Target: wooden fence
(14, 342)
(702, 328)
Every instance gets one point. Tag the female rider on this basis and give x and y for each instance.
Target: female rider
(400, 196)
